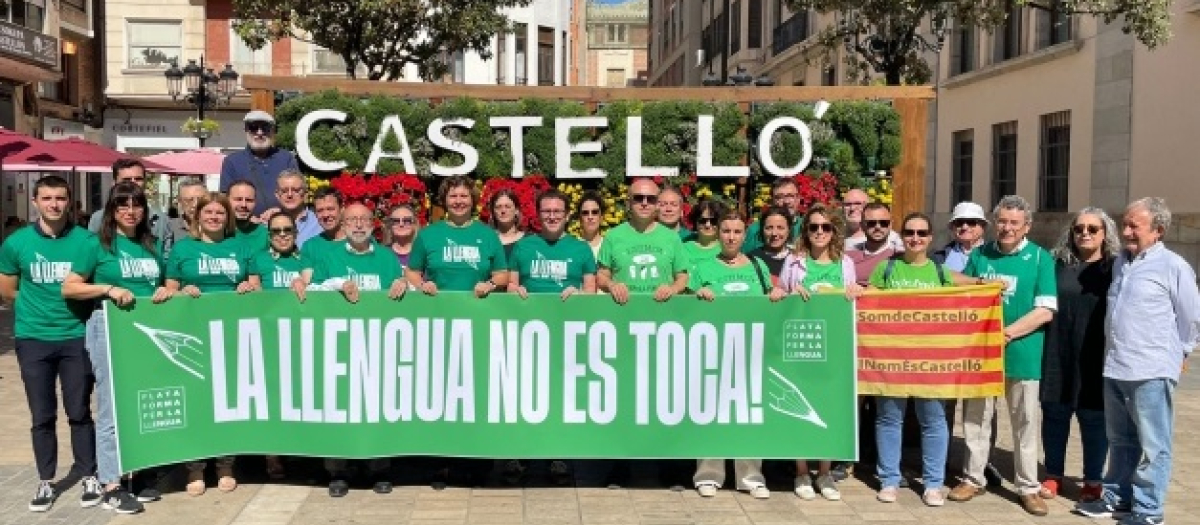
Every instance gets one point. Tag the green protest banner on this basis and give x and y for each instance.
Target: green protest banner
(453, 375)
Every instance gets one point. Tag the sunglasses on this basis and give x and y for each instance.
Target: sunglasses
(1091, 229)
(959, 223)
(260, 127)
(407, 221)
(820, 227)
(875, 223)
(280, 232)
(706, 221)
(641, 198)
(914, 233)
(589, 213)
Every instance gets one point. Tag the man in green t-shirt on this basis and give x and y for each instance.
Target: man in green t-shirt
(642, 256)
(242, 196)
(327, 205)
(34, 261)
(552, 262)
(1030, 300)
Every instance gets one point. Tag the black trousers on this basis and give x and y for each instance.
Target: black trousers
(44, 363)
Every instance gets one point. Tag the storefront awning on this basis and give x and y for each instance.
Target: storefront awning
(25, 73)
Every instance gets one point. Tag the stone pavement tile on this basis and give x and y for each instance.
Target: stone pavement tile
(893, 516)
(496, 517)
(436, 522)
(438, 514)
(825, 508)
(428, 504)
(774, 517)
(547, 520)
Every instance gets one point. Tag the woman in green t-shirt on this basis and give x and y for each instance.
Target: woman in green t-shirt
(120, 263)
(914, 270)
(458, 253)
(211, 260)
(732, 273)
(504, 216)
(281, 263)
(704, 243)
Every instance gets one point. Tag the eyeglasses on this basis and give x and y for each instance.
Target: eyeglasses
(875, 223)
(589, 213)
(129, 209)
(641, 198)
(706, 221)
(259, 127)
(553, 213)
(286, 191)
(1091, 229)
(959, 223)
(357, 220)
(914, 233)
(281, 232)
(405, 221)
(814, 227)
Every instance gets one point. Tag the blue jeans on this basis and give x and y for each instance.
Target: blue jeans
(1056, 430)
(108, 470)
(1139, 416)
(935, 437)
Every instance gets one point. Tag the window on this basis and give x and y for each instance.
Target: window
(1004, 160)
(522, 37)
(618, 34)
(566, 76)
(27, 14)
(246, 60)
(755, 24)
(962, 170)
(615, 78)
(963, 50)
(80, 5)
(154, 44)
(1055, 166)
(545, 56)
(326, 61)
(790, 32)
(64, 90)
(1008, 35)
(1054, 25)
(829, 75)
(501, 56)
(735, 28)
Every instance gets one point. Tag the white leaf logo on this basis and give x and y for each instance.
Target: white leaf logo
(790, 401)
(184, 350)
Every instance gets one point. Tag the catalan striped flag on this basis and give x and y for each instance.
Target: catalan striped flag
(945, 343)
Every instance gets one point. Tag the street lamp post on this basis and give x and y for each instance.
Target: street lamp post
(201, 88)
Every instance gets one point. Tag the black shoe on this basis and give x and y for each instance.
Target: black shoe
(121, 501)
(145, 485)
(382, 487)
(338, 488)
(93, 492)
(992, 475)
(839, 472)
(43, 498)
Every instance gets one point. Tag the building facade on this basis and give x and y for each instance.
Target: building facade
(617, 42)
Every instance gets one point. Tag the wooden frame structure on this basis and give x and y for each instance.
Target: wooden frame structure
(911, 102)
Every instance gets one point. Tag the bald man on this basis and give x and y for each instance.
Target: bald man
(854, 202)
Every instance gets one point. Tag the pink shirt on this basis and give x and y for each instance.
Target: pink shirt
(795, 268)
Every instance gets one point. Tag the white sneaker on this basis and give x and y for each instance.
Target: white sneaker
(760, 492)
(804, 488)
(828, 490)
(707, 489)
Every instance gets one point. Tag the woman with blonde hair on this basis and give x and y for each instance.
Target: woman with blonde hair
(819, 263)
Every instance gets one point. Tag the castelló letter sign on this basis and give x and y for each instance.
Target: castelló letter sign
(564, 148)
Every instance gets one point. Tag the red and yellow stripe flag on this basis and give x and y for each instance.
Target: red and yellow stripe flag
(945, 343)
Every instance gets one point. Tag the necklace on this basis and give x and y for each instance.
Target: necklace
(729, 260)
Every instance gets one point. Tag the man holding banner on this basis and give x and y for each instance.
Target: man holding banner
(1030, 300)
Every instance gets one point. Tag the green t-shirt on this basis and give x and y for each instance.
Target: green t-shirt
(546, 267)
(372, 271)
(696, 254)
(129, 265)
(643, 261)
(685, 234)
(1029, 272)
(725, 280)
(253, 234)
(41, 264)
(278, 273)
(752, 234)
(457, 258)
(210, 266)
(907, 276)
(822, 275)
(315, 244)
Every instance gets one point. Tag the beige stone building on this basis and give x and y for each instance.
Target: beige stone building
(616, 44)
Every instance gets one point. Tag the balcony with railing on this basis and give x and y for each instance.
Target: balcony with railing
(793, 31)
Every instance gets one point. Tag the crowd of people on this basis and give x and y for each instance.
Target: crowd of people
(1097, 327)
